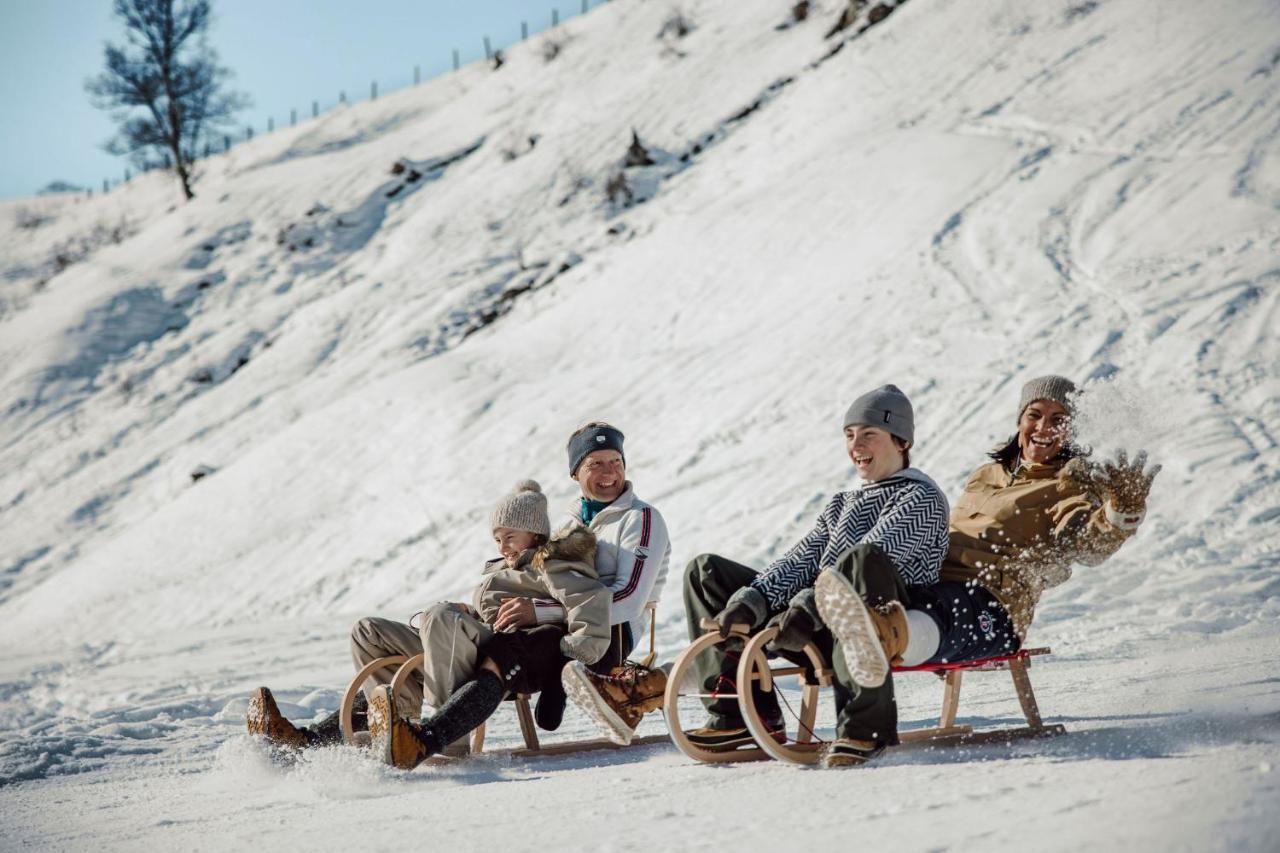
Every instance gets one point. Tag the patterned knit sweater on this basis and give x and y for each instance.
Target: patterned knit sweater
(905, 514)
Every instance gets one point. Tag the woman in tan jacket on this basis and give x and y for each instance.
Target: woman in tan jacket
(1040, 506)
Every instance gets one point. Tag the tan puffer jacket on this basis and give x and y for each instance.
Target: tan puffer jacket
(563, 569)
(1018, 534)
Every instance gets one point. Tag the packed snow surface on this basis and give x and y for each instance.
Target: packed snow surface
(233, 426)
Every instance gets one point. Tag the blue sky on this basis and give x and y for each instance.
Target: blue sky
(284, 54)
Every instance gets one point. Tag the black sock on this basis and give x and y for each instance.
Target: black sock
(469, 706)
(329, 730)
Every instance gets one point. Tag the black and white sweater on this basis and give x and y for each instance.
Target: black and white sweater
(905, 514)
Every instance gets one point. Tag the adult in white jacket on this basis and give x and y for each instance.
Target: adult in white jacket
(633, 553)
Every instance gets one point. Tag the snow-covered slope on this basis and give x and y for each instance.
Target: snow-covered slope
(367, 327)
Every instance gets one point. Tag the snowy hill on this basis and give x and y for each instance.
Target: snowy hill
(365, 328)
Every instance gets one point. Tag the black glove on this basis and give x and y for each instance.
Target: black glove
(747, 607)
(795, 630)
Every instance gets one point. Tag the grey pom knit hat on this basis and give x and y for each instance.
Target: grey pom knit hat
(886, 407)
(524, 509)
(1059, 389)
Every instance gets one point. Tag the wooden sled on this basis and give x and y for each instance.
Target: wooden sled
(804, 747)
(681, 671)
(533, 747)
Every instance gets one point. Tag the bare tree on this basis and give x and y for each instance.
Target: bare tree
(167, 71)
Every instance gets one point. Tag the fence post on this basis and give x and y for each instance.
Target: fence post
(293, 116)
(555, 17)
(271, 124)
(417, 75)
(206, 156)
(524, 31)
(315, 108)
(105, 186)
(488, 54)
(226, 144)
(127, 176)
(455, 59)
(584, 7)
(342, 97)
(373, 90)
(248, 134)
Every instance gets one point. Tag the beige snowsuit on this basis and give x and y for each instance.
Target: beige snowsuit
(450, 634)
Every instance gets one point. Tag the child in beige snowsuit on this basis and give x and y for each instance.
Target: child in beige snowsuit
(456, 639)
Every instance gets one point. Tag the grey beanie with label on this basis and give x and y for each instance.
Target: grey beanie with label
(524, 509)
(887, 408)
(1059, 389)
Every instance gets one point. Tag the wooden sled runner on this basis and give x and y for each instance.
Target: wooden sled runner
(533, 747)
(803, 746)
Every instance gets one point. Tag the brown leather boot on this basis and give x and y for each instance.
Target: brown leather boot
(847, 752)
(264, 718)
(870, 638)
(616, 701)
(891, 627)
(396, 740)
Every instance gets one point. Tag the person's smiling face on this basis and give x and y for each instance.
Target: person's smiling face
(874, 452)
(512, 543)
(602, 475)
(1043, 430)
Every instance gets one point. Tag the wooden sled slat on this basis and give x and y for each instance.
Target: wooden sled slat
(577, 746)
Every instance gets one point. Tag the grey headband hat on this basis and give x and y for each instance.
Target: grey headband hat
(524, 509)
(1059, 389)
(887, 408)
(590, 440)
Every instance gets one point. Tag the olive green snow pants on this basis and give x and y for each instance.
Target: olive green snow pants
(864, 713)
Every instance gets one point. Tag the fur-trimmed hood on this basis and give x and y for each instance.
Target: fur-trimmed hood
(577, 545)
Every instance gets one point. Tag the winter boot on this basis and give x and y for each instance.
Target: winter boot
(618, 700)
(847, 752)
(264, 718)
(548, 711)
(872, 638)
(396, 741)
(715, 739)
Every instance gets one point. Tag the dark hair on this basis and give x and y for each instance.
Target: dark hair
(1007, 454)
(905, 447)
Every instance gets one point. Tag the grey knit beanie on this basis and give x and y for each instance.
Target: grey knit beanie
(887, 408)
(524, 509)
(1059, 389)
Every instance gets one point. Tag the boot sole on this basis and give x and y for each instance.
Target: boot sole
(850, 623)
(382, 709)
(264, 719)
(579, 690)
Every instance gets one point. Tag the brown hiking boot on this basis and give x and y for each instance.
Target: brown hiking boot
(616, 701)
(396, 740)
(714, 739)
(872, 639)
(847, 752)
(264, 718)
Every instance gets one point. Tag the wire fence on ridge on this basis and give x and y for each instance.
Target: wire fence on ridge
(486, 52)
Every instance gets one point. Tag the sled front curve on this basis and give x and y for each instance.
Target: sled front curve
(754, 668)
(349, 698)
